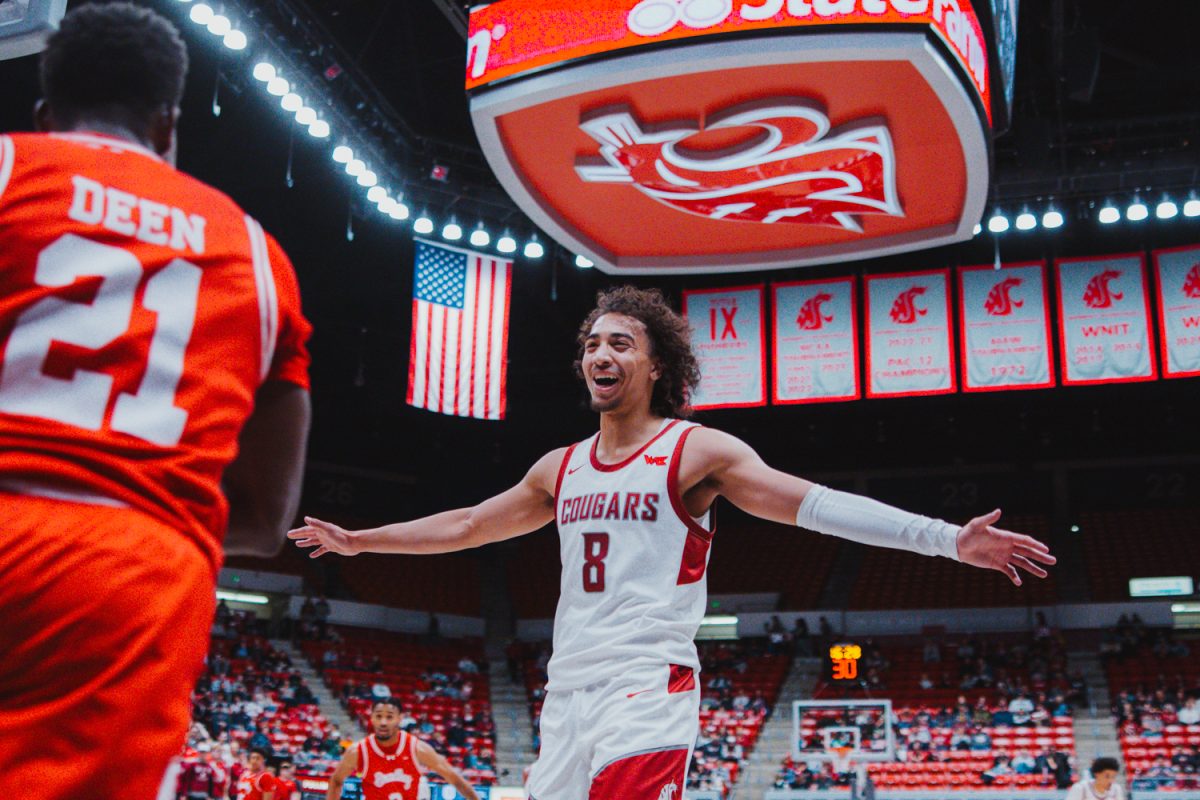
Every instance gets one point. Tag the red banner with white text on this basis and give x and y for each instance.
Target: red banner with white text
(909, 347)
(1004, 327)
(728, 338)
(814, 344)
(1104, 320)
(1179, 310)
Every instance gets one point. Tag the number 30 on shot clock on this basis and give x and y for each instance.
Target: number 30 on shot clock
(844, 658)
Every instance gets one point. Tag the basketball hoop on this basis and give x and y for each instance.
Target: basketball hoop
(840, 757)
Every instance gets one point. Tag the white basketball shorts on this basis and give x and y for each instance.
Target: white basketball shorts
(629, 736)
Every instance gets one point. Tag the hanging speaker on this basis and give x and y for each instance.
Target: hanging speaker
(25, 25)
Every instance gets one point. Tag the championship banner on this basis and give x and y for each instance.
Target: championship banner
(1004, 327)
(1179, 310)
(728, 329)
(1104, 320)
(814, 342)
(909, 348)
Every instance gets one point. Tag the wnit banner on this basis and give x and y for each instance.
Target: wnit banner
(1004, 327)
(728, 332)
(909, 348)
(815, 342)
(1179, 310)
(1104, 320)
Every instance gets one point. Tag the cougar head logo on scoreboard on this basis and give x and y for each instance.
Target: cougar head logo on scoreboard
(795, 170)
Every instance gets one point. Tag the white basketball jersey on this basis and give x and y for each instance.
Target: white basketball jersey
(633, 590)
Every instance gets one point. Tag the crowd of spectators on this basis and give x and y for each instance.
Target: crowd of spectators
(1158, 717)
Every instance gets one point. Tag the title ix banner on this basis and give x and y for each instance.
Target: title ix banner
(728, 338)
(1179, 310)
(815, 342)
(1104, 320)
(909, 348)
(1004, 325)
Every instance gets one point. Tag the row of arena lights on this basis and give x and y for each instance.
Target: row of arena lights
(1107, 214)
(266, 73)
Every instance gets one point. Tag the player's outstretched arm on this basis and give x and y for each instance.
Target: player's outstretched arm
(735, 471)
(434, 761)
(345, 768)
(522, 509)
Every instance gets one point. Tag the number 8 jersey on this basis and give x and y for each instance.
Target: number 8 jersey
(633, 563)
(140, 310)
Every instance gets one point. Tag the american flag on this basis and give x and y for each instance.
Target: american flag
(459, 356)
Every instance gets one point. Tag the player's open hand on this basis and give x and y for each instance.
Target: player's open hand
(328, 538)
(981, 545)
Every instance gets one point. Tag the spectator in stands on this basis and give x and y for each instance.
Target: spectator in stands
(931, 653)
(1102, 785)
(925, 683)
(380, 691)
(1190, 713)
(981, 740)
(287, 787)
(1055, 765)
(1001, 767)
(1024, 763)
(801, 638)
(376, 664)
(1021, 708)
(467, 666)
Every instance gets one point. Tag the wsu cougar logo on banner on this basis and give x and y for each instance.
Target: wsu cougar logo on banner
(811, 318)
(1191, 284)
(1097, 294)
(904, 310)
(797, 172)
(669, 791)
(999, 301)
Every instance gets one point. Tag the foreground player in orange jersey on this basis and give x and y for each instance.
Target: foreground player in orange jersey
(390, 761)
(150, 331)
(633, 506)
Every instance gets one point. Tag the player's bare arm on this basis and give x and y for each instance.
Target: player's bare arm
(345, 768)
(522, 509)
(434, 761)
(263, 483)
(717, 464)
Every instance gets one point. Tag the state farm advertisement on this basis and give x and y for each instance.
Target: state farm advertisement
(728, 333)
(1179, 310)
(909, 348)
(814, 342)
(1004, 327)
(1104, 320)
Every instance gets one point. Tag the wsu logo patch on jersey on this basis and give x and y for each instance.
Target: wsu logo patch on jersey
(1098, 294)
(904, 310)
(795, 171)
(999, 301)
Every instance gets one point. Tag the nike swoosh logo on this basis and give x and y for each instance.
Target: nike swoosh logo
(635, 694)
(573, 471)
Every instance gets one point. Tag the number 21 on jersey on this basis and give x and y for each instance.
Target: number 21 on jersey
(83, 399)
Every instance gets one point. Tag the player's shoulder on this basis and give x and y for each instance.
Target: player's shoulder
(713, 442)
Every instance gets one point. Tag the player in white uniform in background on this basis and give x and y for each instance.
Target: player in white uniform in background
(1102, 785)
(633, 506)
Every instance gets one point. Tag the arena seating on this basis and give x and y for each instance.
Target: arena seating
(250, 688)
(950, 735)
(1137, 544)
(890, 579)
(1151, 676)
(426, 678)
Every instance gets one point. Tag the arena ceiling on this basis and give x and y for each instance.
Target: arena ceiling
(1107, 100)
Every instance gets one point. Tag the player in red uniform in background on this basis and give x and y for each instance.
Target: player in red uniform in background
(390, 761)
(286, 786)
(257, 783)
(150, 332)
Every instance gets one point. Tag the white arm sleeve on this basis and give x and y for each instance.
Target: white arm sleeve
(861, 519)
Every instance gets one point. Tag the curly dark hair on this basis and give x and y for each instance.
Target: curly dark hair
(670, 345)
(116, 61)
